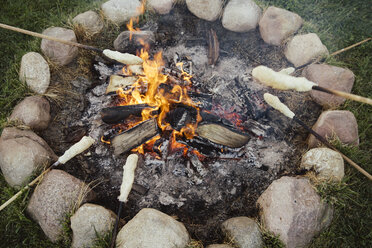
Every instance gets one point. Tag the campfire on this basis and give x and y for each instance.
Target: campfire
(152, 106)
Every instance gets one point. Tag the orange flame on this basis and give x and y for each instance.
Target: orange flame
(146, 90)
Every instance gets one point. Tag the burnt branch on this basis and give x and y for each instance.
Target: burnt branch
(117, 114)
(223, 135)
(135, 136)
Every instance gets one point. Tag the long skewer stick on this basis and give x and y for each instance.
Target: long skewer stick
(24, 31)
(320, 60)
(74, 150)
(274, 102)
(125, 188)
(343, 94)
(282, 81)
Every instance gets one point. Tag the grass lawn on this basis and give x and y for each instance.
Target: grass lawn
(339, 23)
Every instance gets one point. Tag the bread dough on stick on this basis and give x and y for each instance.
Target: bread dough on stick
(128, 177)
(281, 80)
(125, 58)
(274, 102)
(76, 149)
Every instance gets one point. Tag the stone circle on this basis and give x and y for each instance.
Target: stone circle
(33, 111)
(57, 52)
(35, 72)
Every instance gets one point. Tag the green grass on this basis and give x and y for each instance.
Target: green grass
(339, 23)
(36, 16)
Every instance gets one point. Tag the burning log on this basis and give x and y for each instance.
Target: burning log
(117, 82)
(181, 116)
(113, 115)
(222, 135)
(135, 136)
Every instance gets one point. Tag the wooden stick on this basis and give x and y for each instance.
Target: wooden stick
(325, 142)
(114, 233)
(14, 197)
(24, 31)
(283, 81)
(74, 150)
(333, 54)
(344, 94)
(349, 47)
(274, 102)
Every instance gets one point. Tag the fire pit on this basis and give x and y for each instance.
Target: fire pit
(209, 146)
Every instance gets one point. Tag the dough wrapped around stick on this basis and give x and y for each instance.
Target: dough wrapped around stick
(281, 80)
(128, 177)
(274, 102)
(76, 149)
(125, 58)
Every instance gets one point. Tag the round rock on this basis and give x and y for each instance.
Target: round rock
(54, 198)
(277, 24)
(205, 9)
(22, 153)
(292, 209)
(88, 222)
(241, 15)
(331, 77)
(160, 6)
(90, 21)
(304, 48)
(151, 228)
(120, 11)
(57, 52)
(244, 231)
(327, 163)
(35, 72)
(339, 124)
(33, 111)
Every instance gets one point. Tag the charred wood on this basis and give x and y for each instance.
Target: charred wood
(223, 135)
(180, 116)
(116, 114)
(214, 47)
(118, 82)
(211, 118)
(135, 136)
(257, 128)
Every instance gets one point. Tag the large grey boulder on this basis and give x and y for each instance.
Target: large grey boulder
(161, 6)
(88, 222)
(22, 153)
(241, 15)
(57, 52)
(151, 228)
(35, 72)
(331, 77)
(90, 21)
(54, 198)
(304, 48)
(340, 124)
(120, 11)
(292, 209)
(33, 111)
(277, 24)
(205, 9)
(244, 231)
(327, 163)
